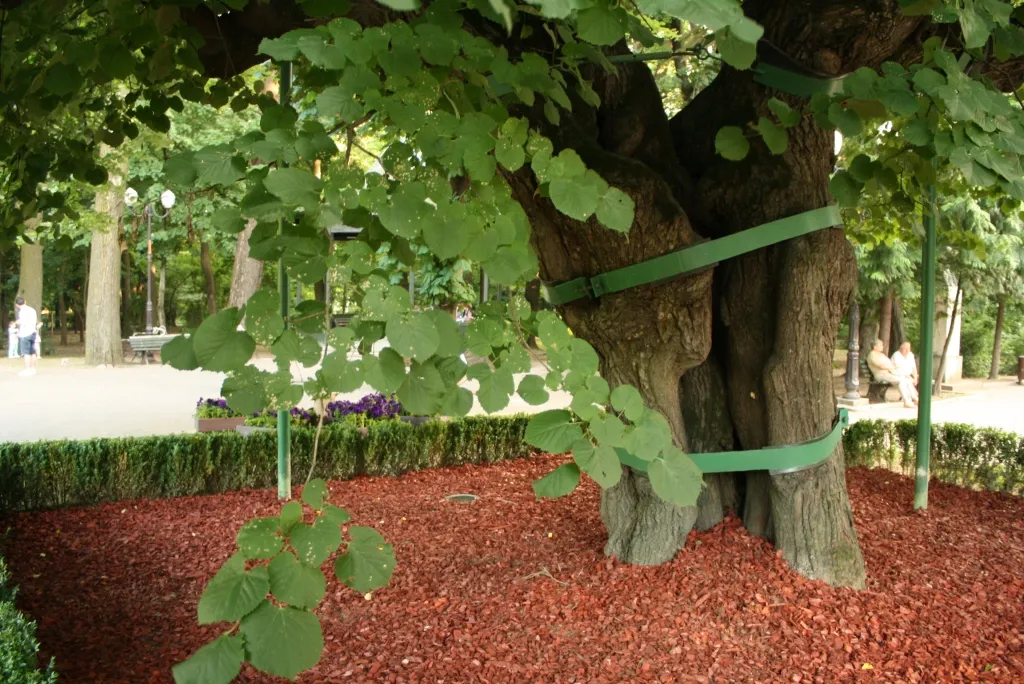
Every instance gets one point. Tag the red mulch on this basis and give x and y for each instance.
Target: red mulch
(114, 588)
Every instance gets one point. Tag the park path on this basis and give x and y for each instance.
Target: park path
(78, 402)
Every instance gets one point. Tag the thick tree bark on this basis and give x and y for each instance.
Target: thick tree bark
(247, 273)
(161, 292)
(885, 319)
(30, 275)
(940, 373)
(103, 308)
(997, 343)
(211, 284)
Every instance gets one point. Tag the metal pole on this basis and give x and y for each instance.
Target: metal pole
(412, 287)
(924, 408)
(485, 289)
(853, 352)
(149, 269)
(284, 458)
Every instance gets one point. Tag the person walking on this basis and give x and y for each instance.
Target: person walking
(27, 320)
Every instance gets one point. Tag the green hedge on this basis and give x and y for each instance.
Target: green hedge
(19, 650)
(961, 454)
(65, 473)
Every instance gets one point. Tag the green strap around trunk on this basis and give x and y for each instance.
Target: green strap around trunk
(693, 258)
(793, 83)
(777, 460)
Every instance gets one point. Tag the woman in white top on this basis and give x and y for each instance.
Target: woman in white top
(884, 370)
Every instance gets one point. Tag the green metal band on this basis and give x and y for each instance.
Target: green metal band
(778, 460)
(693, 258)
(794, 83)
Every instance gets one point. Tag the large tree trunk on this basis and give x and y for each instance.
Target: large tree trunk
(885, 320)
(161, 293)
(247, 273)
(103, 306)
(30, 276)
(746, 363)
(211, 284)
(940, 373)
(997, 343)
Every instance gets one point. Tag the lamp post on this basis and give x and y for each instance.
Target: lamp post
(853, 352)
(167, 201)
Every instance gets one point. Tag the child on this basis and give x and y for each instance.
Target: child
(38, 351)
(12, 340)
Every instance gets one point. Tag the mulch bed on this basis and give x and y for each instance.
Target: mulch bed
(511, 589)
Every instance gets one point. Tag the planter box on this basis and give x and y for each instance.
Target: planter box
(218, 424)
(246, 430)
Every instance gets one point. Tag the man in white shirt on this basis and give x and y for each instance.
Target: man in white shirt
(27, 320)
(904, 362)
(884, 370)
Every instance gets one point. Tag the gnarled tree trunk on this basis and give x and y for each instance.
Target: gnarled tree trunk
(897, 332)
(30, 275)
(247, 273)
(885, 320)
(103, 306)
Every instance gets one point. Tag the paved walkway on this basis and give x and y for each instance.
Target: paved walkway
(77, 402)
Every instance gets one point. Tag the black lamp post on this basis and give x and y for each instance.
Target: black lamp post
(167, 201)
(853, 353)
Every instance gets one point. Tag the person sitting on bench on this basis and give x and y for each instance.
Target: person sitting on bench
(884, 370)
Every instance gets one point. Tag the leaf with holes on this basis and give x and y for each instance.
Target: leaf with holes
(367, 563)
(294, 582)
(233, 592)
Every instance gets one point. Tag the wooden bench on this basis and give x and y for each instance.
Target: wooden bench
(147, 345)
(877, 392)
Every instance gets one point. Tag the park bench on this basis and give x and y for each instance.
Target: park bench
(877, 392)
(147, 345)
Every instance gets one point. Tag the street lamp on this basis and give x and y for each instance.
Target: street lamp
(167, 201)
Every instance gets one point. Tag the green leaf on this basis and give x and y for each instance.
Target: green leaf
(228, 220)
(423, 390)
(845, 189)
(495, 390)
(786, 115)
(532, 390)
(553, 431)
(846, 120)
(291, 346)
(576, 198)
(737, 53)
(559, 482)
(260, 538)
(218, 662)
(278, 116)
(315, 543)
(600, 25)
(976, 28)
(459, 402)
(386, 373)
(63, 79)
(294, 582)
(218, 165)
(338, 101)
(291, 513)
(731, 144)
(283, 49)
(415, 337)
(179, 170)
(219, 346)
(601, 463)
(502, 8)
(179, 354)
(615, 210)
(450, 341)
(233, 593)
(676, 478)
(334, 515)
(626, 399)
(282, 641)
(315, 493)
(774, 135)
(263, 316)
(294, 186)
(367, 563)
(917, 132)
(446, 234)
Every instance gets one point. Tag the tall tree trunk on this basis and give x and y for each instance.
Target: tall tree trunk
(62, 308)
(898, 331)
(126, 291)
(161, 292)
(940, 374)
(997, 343)
(30, 276)
(211, 284)
(103, 305)
(885, 320)
(247, 273)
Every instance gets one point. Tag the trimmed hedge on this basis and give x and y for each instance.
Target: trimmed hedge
(65, 473)
(961, 454)
(19, 650)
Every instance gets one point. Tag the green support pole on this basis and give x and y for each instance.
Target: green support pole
(924, 408)
(284, 425)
